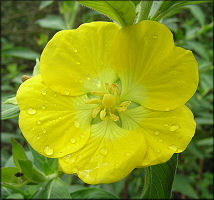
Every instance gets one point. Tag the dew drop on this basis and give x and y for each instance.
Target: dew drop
(67, 92)
(60, 118)
(157, 133)
(173, 147)
(158, 151)
(105, 164)
(103, 151)
(160, 140)
(167, 109)
(155, 36)
(54, 95)
(76, 124)
(127, 154)
(75, 50)
(43, 107)
(43, 92)
(38, 122)
(82, 135)
(43, 130)
(166, 125)
(78, 63)
(73, 140)
(48, 151)
(37, 137)
(67, 157)
(173, 127)
(31, 111)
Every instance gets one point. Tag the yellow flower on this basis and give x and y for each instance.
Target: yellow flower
(110, 99)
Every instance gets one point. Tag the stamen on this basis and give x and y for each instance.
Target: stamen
(96, 111)
(98, 93)
(114, 117)
(108, 87)
(103, 114)
(93, 101)
(121, 109)
(115, 89)
(125, 103)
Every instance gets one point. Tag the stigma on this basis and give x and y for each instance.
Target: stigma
(108, 103)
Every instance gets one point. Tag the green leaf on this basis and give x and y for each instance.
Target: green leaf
(11, 101)
(205, 142)
(123, 12)
(159, 180)
(144, 10)
(15, 196)
(53, 22)
(45, 3)
(204, 121)
(197, 13)
(31, 172)
(47, 165)
(8, 176)
(21, 52)
(181, 184)
(54, 189)
(18, 152)
(92, 193)
(9, 111)
(36, 69)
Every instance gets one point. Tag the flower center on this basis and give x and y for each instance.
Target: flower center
(108, 103)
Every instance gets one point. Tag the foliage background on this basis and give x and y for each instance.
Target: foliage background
(26, 28)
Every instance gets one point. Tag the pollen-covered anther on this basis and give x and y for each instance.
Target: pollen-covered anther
(96, 111)
(123, 106)
(93, 101)
(103, 114)
(98, 93)
(114, 117)
(115, 89)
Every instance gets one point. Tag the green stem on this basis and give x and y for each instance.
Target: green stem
(15, 188)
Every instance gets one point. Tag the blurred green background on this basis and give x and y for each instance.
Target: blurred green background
(26, 28)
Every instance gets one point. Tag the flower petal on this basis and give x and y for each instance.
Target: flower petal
(75, 62)
(53, 124)
(165, 133)
(154, 72)
(110, 154)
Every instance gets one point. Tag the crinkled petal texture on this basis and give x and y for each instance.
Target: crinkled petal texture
(75, 61)
(110, 154)
(53, 124)
(165, 133)
(154, 72)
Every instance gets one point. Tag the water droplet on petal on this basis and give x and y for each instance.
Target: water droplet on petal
(37, 137)
(105, 164)
(127, 154)
(67, 92)
(160, 140)
(103, 151)
(78, 63)
(173, 147)
(31, 111)
(75, 50)
(166, 125)
(54, 95)
(38, 122)
(60, 118)
(167, 109)
(43, 92)
(155, 36)
(157, 133)
(173, 127)
(43, 130)
(67, 157)
(48, 151)
(158, 151)
(73, 140)
(43, 107)
(82, 135)
(76, 124)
